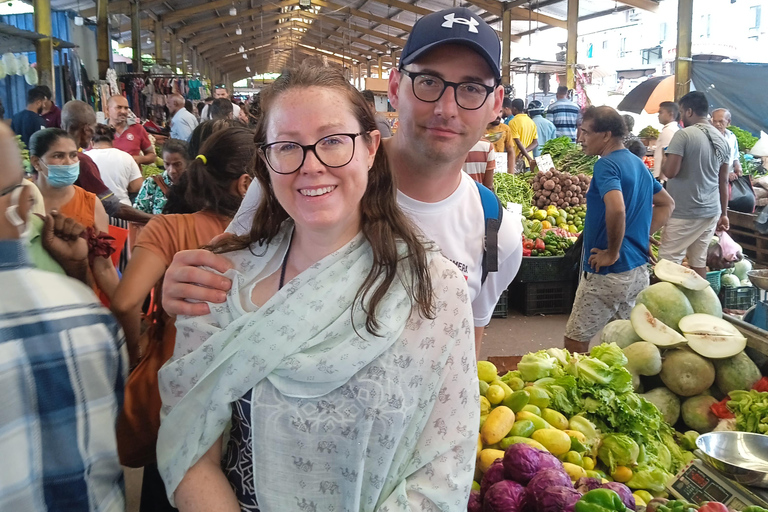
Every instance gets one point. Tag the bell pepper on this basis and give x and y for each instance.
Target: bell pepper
(600, 500)
(676, 506)
(761, 385)
(713, 506)
(528, 244)
(526, 252)
(539, 245)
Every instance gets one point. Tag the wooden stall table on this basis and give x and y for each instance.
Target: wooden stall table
(743, 232)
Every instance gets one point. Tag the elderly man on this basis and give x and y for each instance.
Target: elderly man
(78, 119)
(721, 119)
(129, 137)
(183, 122)
(63, 363)
(219, 91)
(446, 90)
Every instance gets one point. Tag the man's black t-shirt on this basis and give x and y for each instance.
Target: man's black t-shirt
(25, 123)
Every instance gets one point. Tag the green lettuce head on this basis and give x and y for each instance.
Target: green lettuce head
(618, 450)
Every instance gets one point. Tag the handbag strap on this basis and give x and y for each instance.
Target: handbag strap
(160, 182)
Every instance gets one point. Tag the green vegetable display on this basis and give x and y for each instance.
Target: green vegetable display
(568, 157)
(24, 155)
(746, 140)
(618, 450)
(677, 506)
(751, 410)
(600, 500)
(150, 170)
(649, 132)
(512, 188)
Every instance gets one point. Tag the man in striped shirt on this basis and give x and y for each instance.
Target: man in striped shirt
(481, 163)
(564, 114)
(62, 368)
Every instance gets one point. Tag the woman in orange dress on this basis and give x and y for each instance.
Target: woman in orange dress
(53, 154)
(212, 187)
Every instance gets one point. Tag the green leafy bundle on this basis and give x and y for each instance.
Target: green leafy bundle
(746, 139)
(512, 188)
(568, 157)
(649, 132)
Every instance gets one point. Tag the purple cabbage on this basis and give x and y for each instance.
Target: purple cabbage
(505, 496)
(494, 475)
(545, 480)
(558, 499)
(475, 503)
(624, 493)
(586, 484)
(522, 462)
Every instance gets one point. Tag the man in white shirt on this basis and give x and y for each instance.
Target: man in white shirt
(458, 51)
(721, 119)
(219, 91)
(669, 116)
(183, 122)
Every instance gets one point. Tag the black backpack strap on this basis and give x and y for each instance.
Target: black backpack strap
(493, 212)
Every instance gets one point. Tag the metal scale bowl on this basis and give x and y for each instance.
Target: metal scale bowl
(757, 315)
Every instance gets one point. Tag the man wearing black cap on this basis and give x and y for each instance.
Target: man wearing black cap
(446, 91)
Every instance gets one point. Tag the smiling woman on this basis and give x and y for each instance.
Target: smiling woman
(323, 355)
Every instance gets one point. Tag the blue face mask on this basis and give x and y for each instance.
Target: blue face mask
(60, 176)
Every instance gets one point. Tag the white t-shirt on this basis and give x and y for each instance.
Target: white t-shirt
(204, 116)
(733, 144)
(665, 137)
(457, 225)
(117, 169)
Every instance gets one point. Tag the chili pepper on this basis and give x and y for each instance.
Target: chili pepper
(600, 500)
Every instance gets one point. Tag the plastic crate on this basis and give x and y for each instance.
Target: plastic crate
(502, 307)
(543, 269)
(547, 298)
(714, 279)
(739, 297)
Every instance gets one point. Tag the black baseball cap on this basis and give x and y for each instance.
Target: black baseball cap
(453, 26)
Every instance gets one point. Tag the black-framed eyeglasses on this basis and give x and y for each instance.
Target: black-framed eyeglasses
(430, 88)
(287, 157)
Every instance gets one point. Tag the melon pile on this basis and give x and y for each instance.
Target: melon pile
(679, 348)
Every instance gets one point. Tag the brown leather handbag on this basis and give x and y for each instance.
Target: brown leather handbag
(139, 420)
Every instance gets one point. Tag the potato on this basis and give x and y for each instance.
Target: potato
(546, 192)
(557, 189)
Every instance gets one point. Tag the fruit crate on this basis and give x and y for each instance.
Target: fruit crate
(502, 307)
(547, 298)
(714, 279)
(739, 297)
(542, 269)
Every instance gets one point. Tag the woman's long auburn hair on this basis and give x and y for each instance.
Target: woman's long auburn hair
(382, 222)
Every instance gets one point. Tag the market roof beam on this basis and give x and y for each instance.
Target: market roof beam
(182, 14)
(646, 5)
(226, 33)
(361, 14)
(192, 28)
(381, 35)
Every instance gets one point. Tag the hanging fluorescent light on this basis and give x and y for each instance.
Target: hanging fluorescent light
(241, 49)
(149, 41)
(248, 69)
(78, 20)
(232, 10)
(245, 56)
(239, 31)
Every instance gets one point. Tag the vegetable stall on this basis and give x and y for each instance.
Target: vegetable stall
(617, 429)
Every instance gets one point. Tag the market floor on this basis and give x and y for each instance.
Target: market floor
(515, 335)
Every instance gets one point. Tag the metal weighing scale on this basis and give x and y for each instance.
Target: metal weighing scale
(732, 469)
(757, 315)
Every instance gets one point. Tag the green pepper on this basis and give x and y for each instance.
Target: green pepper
(547, 253)
(534, 252)
(677, 506)
(551, 247)
(600, 500)
(754, 508)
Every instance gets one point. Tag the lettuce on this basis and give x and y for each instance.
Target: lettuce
(610, 354)
(537, 366)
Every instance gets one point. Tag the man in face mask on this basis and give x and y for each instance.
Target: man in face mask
(29, 120)
(54, 332)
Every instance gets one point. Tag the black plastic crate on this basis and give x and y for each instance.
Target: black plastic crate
(502, 307)
(739, 297)
(548, 298)
(543, 269)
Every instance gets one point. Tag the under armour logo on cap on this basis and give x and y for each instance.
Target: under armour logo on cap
(451, 18)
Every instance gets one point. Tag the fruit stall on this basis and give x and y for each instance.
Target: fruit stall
(651, 419)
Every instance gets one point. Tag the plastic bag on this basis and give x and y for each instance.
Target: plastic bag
(741, 195)
(731, 250)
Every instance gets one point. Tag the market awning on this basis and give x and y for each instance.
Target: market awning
(635, 73)
(16, 40)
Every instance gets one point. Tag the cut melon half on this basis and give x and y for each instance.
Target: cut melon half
(701, 323)
(679, 275)
(713, 346)
(653, 330)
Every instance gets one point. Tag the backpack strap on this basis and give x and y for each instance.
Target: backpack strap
(492, 211)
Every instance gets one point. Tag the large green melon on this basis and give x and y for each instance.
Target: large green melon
(704, 301)
(619, 332)
(666, 302)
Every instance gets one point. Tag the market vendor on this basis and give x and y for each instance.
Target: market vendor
(616, 230)
(721, 119)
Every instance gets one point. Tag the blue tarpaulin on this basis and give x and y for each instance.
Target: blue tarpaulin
(739, 87)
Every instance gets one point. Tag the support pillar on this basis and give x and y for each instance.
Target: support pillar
(136, 35)
(44, 46)
(683, 58)
(158, 41)
(173, 52)
(368, 73)
(103, 42)
(506, 34)
(378, 63)
(194, 62)
(184, 59)
(570, 50)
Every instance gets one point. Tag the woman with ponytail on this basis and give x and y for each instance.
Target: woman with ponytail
(213, 187)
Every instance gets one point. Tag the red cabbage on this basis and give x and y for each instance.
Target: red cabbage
(522, 462)
(624, 493)
(494, 475)
(475, 503)
(586, 484)
(558, 499)
(505, 496)
(545, 480)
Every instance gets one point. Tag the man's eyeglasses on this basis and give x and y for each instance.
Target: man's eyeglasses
(286, 157)
(430, 88)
